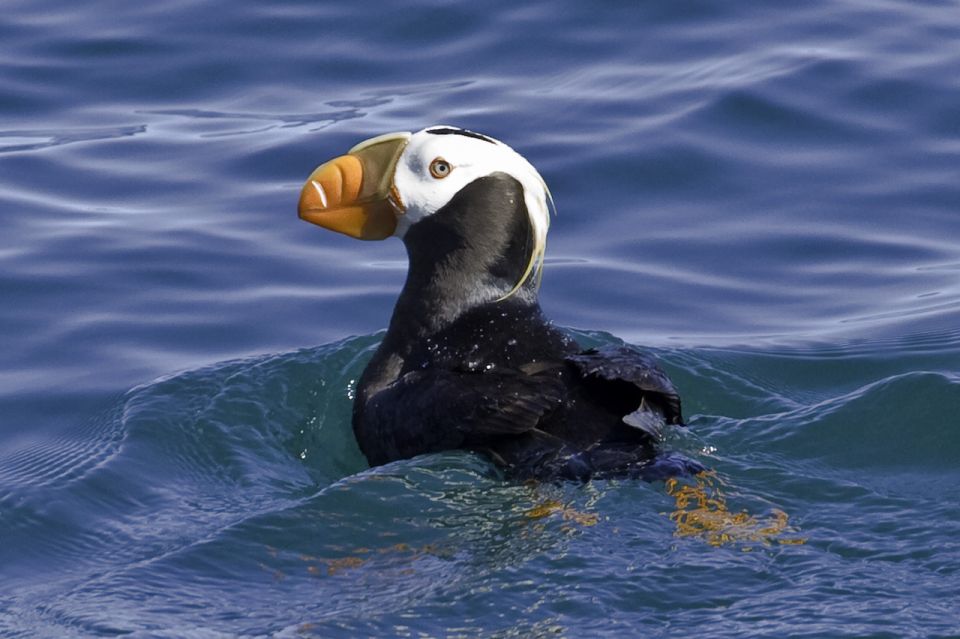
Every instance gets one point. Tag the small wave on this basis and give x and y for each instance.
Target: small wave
(903, 421)
(182, 459)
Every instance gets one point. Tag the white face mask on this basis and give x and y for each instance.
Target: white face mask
(439, 161)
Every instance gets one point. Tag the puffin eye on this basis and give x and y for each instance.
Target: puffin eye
(440, 168)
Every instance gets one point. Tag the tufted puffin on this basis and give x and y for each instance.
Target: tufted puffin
(469, 361)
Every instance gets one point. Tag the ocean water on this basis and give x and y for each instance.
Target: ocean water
(765, 195)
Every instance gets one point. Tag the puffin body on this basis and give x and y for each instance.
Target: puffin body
(469, 361)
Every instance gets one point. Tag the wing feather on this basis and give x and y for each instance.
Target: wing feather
(623, 366)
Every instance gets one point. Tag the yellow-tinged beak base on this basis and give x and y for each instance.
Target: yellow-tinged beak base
(350, 194)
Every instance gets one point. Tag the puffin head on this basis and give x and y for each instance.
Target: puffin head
(445, 192)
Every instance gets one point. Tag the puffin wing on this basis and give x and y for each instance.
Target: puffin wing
(436, 409)
(508, 403)
(635, 379)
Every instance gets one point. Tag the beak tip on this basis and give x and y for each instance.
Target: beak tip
(310, 198)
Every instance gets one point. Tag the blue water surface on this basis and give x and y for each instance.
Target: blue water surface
(765, 194)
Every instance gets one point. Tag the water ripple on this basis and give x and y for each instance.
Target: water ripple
(236, 119)
(13, 141)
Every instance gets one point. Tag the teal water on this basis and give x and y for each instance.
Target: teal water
(766, 196)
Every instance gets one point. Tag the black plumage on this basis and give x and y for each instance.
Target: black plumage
(461, 368)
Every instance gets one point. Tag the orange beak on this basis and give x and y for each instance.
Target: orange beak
(351, 194)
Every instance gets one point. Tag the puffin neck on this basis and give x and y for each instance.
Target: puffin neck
(469, 253)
